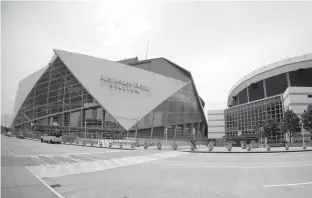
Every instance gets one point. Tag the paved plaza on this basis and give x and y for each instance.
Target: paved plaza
(33, 169)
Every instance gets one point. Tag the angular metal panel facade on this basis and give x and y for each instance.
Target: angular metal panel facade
(118, 102)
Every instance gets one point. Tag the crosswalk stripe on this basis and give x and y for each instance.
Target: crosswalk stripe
(53, 158)
(92, 166)
(40, 164)
(117, 162)
(41, 161)
(91, 157)
(71, 158)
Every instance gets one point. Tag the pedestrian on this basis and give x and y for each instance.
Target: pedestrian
(194, 143)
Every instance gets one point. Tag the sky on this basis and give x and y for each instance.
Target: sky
(218, 42)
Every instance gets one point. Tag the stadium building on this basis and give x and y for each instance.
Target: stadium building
(75, 93)
(268, 91)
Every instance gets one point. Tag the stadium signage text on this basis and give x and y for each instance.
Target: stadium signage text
(124, 84)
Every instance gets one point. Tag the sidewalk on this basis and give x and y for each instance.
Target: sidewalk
(18, 182)
(255, 150)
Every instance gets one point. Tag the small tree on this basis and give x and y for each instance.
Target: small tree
(270, 127)
(290, 123)
(306, 118)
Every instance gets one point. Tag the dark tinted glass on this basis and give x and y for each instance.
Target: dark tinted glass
(301, 78)
(256, 91)
(276, 85)
(243, 96)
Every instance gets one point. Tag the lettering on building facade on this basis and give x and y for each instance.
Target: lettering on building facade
(124, 85)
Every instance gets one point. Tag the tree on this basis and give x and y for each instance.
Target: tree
(306, 119)
(290, 123)
(270, 127)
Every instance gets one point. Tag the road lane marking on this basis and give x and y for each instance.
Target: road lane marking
(53, 171)
(37, 161)
(9, 152)
(283, 185)
(73, 159)
(53, 159)
(70, 158)
(65, 159)
(62, 154)
(48, 186)
(41, 161)
(117, 162)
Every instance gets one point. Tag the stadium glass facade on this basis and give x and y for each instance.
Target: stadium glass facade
(247, 118)
(58, 101)
(180, 113)
(257, 100)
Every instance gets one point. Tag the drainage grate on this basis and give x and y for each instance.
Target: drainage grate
(55, 185)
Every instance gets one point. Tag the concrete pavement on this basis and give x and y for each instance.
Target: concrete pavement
(200, 175)
(73, 171)
(16, 180)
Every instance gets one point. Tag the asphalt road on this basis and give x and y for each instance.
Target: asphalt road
(94, 172)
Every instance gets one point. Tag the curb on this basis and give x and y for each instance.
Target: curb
(103, 147)
(32, 139)
(244, 152)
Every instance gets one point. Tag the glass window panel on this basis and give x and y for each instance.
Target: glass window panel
(75, 119)
(301, 78)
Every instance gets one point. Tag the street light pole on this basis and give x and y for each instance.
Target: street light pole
(302, 133)
(85, 134)
(261, 137)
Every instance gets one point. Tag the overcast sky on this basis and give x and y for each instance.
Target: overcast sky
(219, 42)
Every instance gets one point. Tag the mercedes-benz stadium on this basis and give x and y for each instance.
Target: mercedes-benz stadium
(268, 91)
(75, 93)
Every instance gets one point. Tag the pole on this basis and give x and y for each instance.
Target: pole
(127, 136)
(85, 135)
(152, 128)
(302, 133)
(261, 137)
(136, 130)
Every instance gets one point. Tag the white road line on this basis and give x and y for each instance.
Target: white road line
(89, 157)
(64, 160)
(33, 157)
(282, 185)
(49, 187)
(53, 159)
(9, 152)
(62, 154)
(101, 157)
(37, 158)
(117, 162)
(74, 159)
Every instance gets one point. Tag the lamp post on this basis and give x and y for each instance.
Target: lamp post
(85, 134)
(302, 132)
(261, 129)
